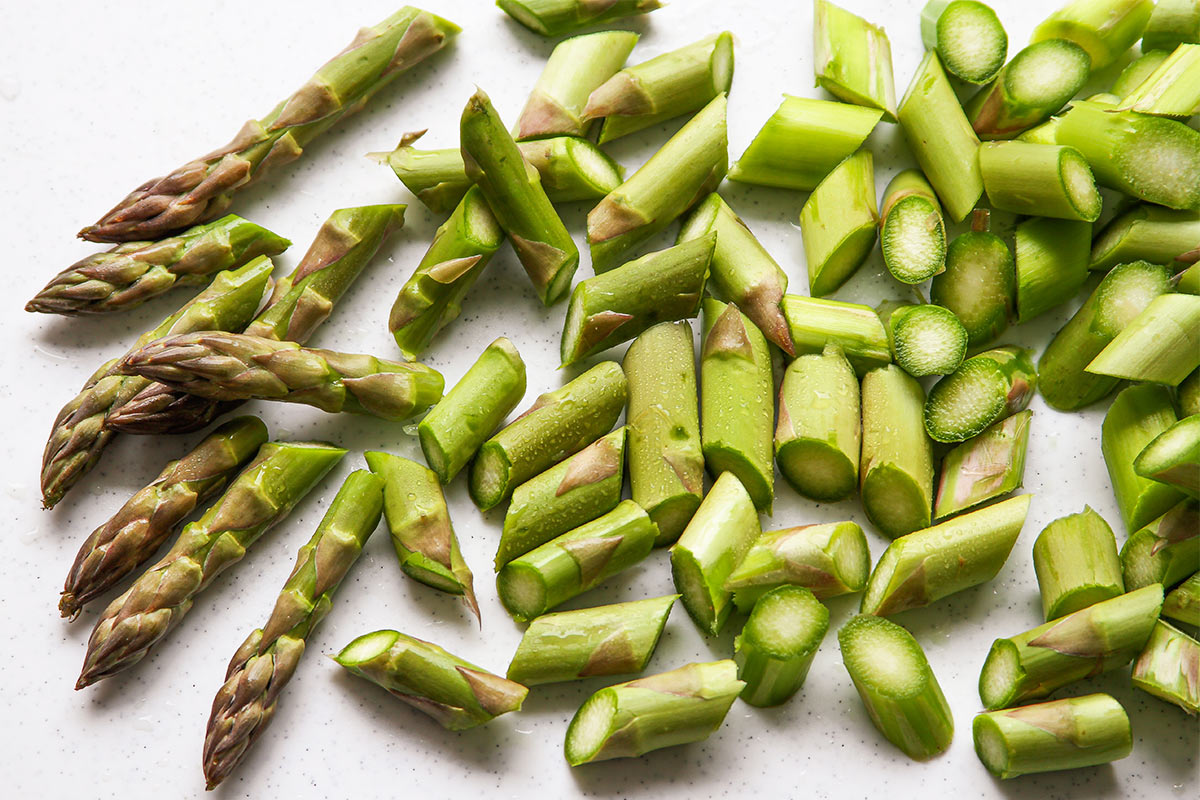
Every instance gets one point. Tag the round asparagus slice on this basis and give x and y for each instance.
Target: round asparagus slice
(913, 236)
(985, 389)
(979, 285)
(926, 339)
(968, 38)
(778, 643)
(1034, 85)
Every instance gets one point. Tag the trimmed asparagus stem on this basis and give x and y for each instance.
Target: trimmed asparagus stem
(1119, 298)
(456, 693)
(1036, 84)
(815, 323)
(941, 138)
(1094, 640)
(926, 339)
(1173, 457)
(1173, 89)
(853, 59)
(817, 441)
(575, 491)
(1046, 133)
(742, 271)
(830, 131)
(1187, 394)
(671, 708)
(828, 559)
(1172, 23)
(576, 68)
(514, 192)
(558, 424)
(1183, 603)
(683, 171)
(454, 429)
(1160, 345)
(616, 306)
(1165, 551)
(422, 534)
(988, 466)
(666, 462)
(575, 562)
(1138, 70)
(1061, 734)
(714, 541)
(1136, 417)
(556, 17)
(896, 685)
(987, 388)
(737, 408)
(617, 639)
(913, 233)
(1104, 28)
(1169, 667)
(979, 285)
(924, 566)
(778, 643)
(1042, 179)
(967, 36)
(1147, 233)
(839, 223)
(1051, 263)
(679, 82)
(1150, 158)
(438, 178)
(1075, 558)
(897, 456)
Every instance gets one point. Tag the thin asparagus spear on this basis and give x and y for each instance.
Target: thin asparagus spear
(261, 496)
(1160, 345)
(778, 643)
(1183, 603)
(245, 704)
(1051, 263)
(1173, 89)
(987, 388)
(828, 559)
(1094, 640)
(815, 323)
(1136, 417)
(1075, 558)
(556, 17)
(1173, 456)
(1105, 28)
(1036, 84)
(988, 466)
(1138, 70)
(896, 466)
(1046, 737)
(608, 640)
(967, 36)
(1043, 179)
(137, 530)
(978, 285)
(912, 231)
(926, 339)
(1169, 667)
(839, 223)
(853, 59)
(1164, 551)
(202, 189)
(897, 686)
(1172, 23)
(456, 693)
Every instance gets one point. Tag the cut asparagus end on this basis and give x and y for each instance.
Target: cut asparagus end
(1001, 675)
(590, 728)
(928, 340)
(817, 469)
(693, 591)
(851, 556)
(894, 502)
(882, 659)
(522, 591)
(963, 405)
(672, 516)
(719, 458)
(489, 477)
(990, 745)
(979, 285)
(914, 240)
(1047, 74)
(596, 169)
(776, 647)
(1174, 456)
(366, 647)
(971, 41)
(1126, 294)
(1081, 190)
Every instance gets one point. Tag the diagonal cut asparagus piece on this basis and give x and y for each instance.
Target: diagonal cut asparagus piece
(1171, 90)
(816, 323)
(912, 231)
(828, 559)
(988, 466)
(1147, 233)
(1173, 456)
(1036, 84)
(778, 643)
(1169, 667)
(1165, 551)
(839, 223)
(556, 17)
(1135, 418)
(1075, 558)
(978, 285)
(1183, 603)
(987, 388)
(853, 59)
(896, 465)
(1105, 28)
(1172, 23)
(1160, 345)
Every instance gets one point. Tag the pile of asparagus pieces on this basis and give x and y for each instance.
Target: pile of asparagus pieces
(852, 414)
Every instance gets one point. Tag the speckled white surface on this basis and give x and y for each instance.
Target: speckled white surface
(96, 97)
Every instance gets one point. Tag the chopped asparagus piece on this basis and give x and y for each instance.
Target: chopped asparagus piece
(985, 389)
(1183, 603)
(1169, 667)
(828, 559)
(1173, 89)
(1105, 28)
(897, 455)
(1075, 558)
(556, 17)
(815, 323)
(1172, 23)
(839, 223)
(913, 233)
(1136, 417)
(926, 339)
(1036, 84)
(1051, 263)
(1160, 345)
(1138, 70)
(1173, 456)
(988, 466)
(979, 285)
(853, 59)
(1165, 551)
(967, 36)
(778, 643)
(1043, 179)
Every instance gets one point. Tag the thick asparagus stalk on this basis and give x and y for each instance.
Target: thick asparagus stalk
(670, 708)
(988, 466)
(924, 566)
(1136, 417)
(608, 640)
(926, 339)
(1051, 263)
(245, 704)
(815, 323)
(1147, 233)
(1094, 640)
(987, 388)
(1169, 667)
(1165, 551)
(1138, 70)
(1174, 456)
(1104, 28)
(896, 685)
(1036, 84)
(1046, 737)
(978, 285)
(454, 429)
(1173, 89)
(422, 534)
(967, 36)
(456, 693)
(853, 59)
(896, 466)
(828, 559)
(778, 643)
(616, 306)
(262, 495)
(1075, 558)
(135, 532)
(737, 409)
(202, 189)
(556, 17)
(1183, 603)
(912, 231)
(839, 223)
(1043, 179)
(1160, 345)
(558, 424)
(1172, 23)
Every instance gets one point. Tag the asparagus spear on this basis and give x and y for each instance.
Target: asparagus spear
(1147, 233)
(978, 285)
(1172, 23)
(1172, 89)
(261, 496)
(987, 388)
(670, 708)
(202, 189)
(1138, 70)
(1183, 603)
(1039, 81)
(1105, 28)
(828, 559)
(853, 59)
(556, 17)
(1160, 345)
(912, 231)
(815, 323)
(1174, 456)
(988, 466)
(245, 704)
(967, 36)
(896, 465)
(1075, 558)
(778, 643)
(1051, 263)
(1136, 417)
(839, 224)
(137, 530)
(456, 693)
(1169, 667)
(1164, 551)
(926, 339)
(1043, 179)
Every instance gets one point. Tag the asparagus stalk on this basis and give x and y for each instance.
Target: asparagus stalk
(1043, 179)
(1173, 89)
(575, 562)
(1183, 603)
(1036, 84)
(1075, 558)
(1094, 640)
(967, 36)
(926, 339)
(419, 522)
(856, 329)
(577, 490)
(896, 466)
(778, 643)
(1173, 456)
(1051, 263)
(714, 541)
(924, 566)
(737, 408)
(1169, 667)
(1172, 23)
(1164, 551)
(853, 59)
(987, 388)
(245, 704)
(828, 559)
(438, 178)
(830, 131)
(1136, 417)
(1187, 281)
(608, 640)
(1160, 345)
(978, 285)
(202, 189)
(454, 429)
(684, 170)
(988, 466)
(261, 496)
(558, 424)
(1187, 394)
(839, 223)
(817, 441)
(912, 231)
(137, 530)
(556, 17)
(1061, 734)
(1104, 28)
(1138, 70)
(616, 306)
(666, 462)
(897, 686)
(456, 693)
